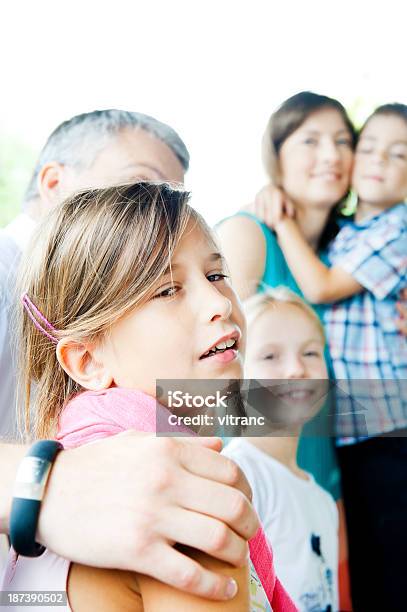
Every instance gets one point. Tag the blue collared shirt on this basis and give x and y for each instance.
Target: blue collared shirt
(366, 348)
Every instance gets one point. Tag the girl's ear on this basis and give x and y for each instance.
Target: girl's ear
(80, 363)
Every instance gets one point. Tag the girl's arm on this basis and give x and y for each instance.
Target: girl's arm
(119, 591)
(319, 283)
(244, 247)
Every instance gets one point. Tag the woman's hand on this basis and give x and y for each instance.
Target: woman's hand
(271, 205)
(402, 310)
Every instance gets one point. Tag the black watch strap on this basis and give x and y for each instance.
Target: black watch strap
(31, 479)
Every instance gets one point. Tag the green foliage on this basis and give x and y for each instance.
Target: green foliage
(360, 109)
(16, 165)
(350, 204)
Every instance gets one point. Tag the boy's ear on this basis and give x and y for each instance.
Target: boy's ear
(80, 363)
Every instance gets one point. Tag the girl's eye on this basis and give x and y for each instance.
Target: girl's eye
(213, 278)
(169, 292)
(312, 354)
(270, 356)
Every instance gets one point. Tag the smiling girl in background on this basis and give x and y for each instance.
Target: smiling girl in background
(285, 351)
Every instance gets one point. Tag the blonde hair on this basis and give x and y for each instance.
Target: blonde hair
(95, 258)
(255, 305)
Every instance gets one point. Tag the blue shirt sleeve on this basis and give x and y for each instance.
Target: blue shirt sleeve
(378, 258)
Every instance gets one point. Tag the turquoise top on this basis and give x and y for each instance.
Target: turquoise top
(316, 454)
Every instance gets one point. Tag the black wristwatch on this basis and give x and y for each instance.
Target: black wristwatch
(31, 479)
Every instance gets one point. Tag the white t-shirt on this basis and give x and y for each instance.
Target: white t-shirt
(301, 522)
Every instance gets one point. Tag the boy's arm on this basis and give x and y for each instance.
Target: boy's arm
(319, 283)
(244, 247)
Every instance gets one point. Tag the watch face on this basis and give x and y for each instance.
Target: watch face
(31, 478)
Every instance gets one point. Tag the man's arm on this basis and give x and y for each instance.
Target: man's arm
(10, 457)
(123, 502)
(319, 283)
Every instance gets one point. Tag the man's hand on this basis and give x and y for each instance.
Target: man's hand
(271, 205)
(123, 502)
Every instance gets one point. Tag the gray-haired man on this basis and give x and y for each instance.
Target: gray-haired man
(94, 149)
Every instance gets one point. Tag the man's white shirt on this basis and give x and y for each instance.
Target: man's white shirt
(14, 239)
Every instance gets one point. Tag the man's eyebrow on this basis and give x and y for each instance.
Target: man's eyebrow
(144, 165)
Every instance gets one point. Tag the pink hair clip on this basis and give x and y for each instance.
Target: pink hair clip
(33, 310)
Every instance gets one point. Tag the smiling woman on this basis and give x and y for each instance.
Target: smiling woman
(308, 154)
(314, 160)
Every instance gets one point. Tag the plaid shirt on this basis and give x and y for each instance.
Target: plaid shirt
(369, 354)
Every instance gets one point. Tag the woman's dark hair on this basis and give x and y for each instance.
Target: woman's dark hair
(285, 121)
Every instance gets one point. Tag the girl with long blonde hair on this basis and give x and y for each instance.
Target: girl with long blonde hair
(128, 288)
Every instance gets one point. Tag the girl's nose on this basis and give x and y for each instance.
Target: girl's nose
(214, 304)
(223, 309)
(294, 368)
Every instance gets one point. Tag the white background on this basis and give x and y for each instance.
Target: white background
(213, 70)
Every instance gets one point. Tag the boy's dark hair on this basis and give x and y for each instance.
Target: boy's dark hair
(395, 109)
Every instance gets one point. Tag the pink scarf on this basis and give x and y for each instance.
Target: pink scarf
(93, 415)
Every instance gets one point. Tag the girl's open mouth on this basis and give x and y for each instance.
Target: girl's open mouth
(297, 395)
(226, 346)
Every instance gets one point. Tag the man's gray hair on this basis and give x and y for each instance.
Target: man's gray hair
(77, 141)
